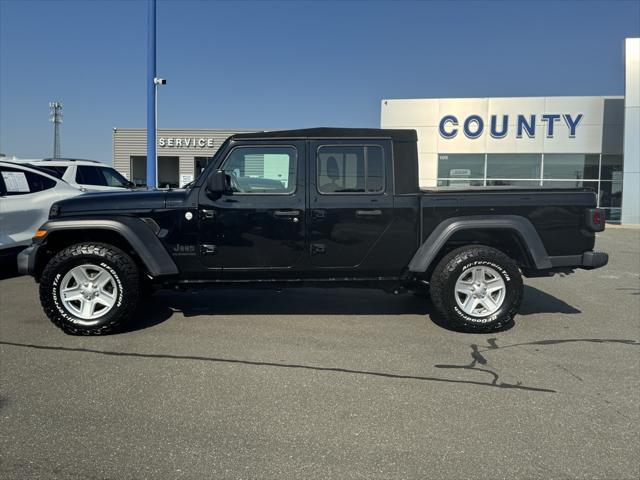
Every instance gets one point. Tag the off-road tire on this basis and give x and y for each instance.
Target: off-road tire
(448, 271)
(120, 265)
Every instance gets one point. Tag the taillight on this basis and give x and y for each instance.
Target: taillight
(595, 219)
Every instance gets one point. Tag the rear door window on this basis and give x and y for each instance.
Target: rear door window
(23, 182)
(350, 169)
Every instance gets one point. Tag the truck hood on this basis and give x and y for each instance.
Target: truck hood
(129, 201)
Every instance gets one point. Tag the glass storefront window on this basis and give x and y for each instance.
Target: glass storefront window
(460, 183)
(461, 166)
(513, 183)
(199, 164)
(168, 172)
(599, 173)
(567, 166)
(613, 214)
(513, 166)
(610, 194)
(138, 171)
(570, 184)
(611, 167)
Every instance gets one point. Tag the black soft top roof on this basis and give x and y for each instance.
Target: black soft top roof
(324, 132)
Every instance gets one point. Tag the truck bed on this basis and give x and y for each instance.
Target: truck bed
(558, 215)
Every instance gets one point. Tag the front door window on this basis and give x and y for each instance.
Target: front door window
(262, 170)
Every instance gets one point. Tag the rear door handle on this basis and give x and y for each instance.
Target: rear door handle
(318, 214)
(286, 213)
(368, 213)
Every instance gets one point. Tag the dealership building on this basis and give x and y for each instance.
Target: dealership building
(541, 142)
(182, 153)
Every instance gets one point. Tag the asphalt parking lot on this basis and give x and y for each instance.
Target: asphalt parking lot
(333, 384)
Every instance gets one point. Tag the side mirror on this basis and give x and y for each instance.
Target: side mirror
(216, 184)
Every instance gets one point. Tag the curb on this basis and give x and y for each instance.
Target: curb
(616, 226)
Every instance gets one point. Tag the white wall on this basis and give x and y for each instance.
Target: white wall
(631, 180)
(424, 115)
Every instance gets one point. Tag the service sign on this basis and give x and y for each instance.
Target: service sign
(181, 142)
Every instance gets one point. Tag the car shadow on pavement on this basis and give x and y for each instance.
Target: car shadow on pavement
(310, 301)
(8, 268)
(534, 301)
(296, 301)
(537, 301)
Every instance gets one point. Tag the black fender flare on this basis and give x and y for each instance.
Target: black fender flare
(135, 231)
(441, 234)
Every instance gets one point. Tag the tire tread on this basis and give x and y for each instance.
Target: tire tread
(123, 262)
(442, 273)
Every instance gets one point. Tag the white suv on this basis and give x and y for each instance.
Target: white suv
(88, 175)
(26, 195)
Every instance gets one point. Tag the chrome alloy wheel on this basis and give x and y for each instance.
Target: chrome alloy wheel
(88, 291)
(480, 291)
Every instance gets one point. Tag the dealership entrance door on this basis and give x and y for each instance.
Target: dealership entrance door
(168, 171)
(199, 164)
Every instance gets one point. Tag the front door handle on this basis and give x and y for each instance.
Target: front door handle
(207, 214)
(368, 213)
(286, 213)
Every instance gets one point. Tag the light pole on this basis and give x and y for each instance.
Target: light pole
(152, 161)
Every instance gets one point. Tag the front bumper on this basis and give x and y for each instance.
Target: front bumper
(27, 260)
(588, 260)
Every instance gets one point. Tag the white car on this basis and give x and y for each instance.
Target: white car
(26, 195)
(88, 175)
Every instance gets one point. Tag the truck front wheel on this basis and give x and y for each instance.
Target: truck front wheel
(89, 288)
(477, 289)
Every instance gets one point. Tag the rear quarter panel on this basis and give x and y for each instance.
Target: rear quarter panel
(557, 215)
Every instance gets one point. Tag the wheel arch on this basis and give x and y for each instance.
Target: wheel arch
(131, 235)
(512, 234)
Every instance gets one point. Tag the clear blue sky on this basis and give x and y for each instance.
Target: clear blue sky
(288, 64)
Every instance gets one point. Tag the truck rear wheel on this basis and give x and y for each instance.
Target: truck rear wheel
(477, 289)
(89, 289)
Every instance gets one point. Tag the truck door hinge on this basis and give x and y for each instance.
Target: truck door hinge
(208, 250)
(207, 214)
(317, 249)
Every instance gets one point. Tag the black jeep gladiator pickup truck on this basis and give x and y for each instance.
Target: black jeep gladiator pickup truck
(316, 207)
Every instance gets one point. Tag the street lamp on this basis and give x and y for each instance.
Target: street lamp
(152, 99)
